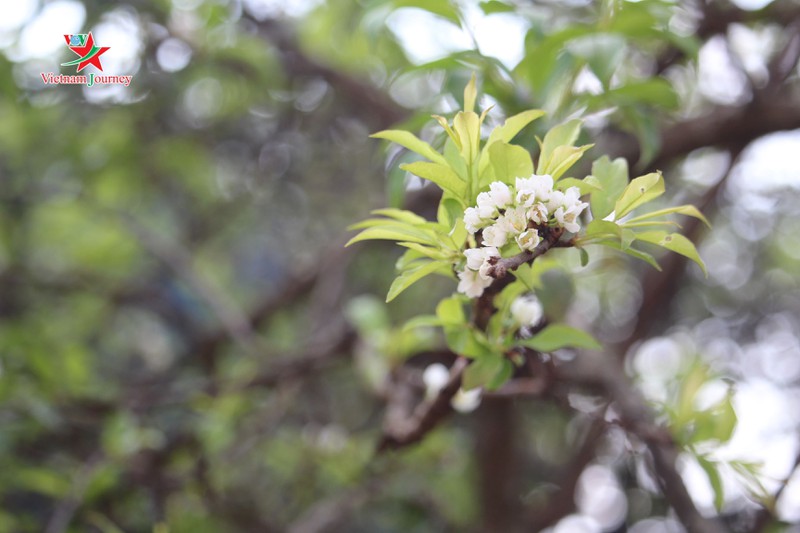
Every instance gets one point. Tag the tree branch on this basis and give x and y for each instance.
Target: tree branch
(400, 431)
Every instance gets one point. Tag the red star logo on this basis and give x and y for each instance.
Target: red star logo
(89, 54)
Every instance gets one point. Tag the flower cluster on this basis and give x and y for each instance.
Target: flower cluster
(515, 214)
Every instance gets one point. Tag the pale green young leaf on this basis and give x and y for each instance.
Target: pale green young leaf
(562, 135)
(451, 311)
(394, 233)
(557, 336)
(612, 177)
(601, 228)
(441, 175)
(507, 131)
(467, 126)
(616, 244)
(688, 210)
(401, 215)
(470, 94)
(586, 186)
(563, 158)
(449, 210)
(674, 242)
(410, 141)
(427, 251)
(373, 222)
(411, 276)
(509, 162)
(450, 133)
(627, 238)
(651, 224)
(452, 154)
(638, 192)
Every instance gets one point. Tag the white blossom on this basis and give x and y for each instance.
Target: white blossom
(537, 188)
(515, 213)
(528, 240)
(495, 236)
(473, 220)
(571, 207)
(466, 401)
(538, 213)
(486, 206)
(471, 283)
(500, 194)
(527, 311)
(476, 257)
(514, 221)
(555, 201)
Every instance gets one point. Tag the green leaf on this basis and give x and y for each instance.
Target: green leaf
(562, 135)
(410, 141)
(470, 94)
(710, 468)
(555, 291)
(601, 228)
(394, 233)
(654, 91)
(502, 376)
(422, 321)
(509, 162)
(638, 192)
(483, 371)
(464, 340)
(442, 8)
(584, 256)
(409, 277)
(631, 251)
(647, 130)
(674, 242)
(588, 185)
(495, 6)
(401, 215)
(427, 251)
(602, 51)
(688, 210)
(557, 336)
(451, 311)
(449, 211)
(612, 177)
(563, 158)
(467, 126)
(441, 175)
(507, 131)
(453, 156)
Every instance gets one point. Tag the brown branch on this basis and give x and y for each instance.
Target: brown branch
(400, 431)
(607, 373)
(766, 515)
